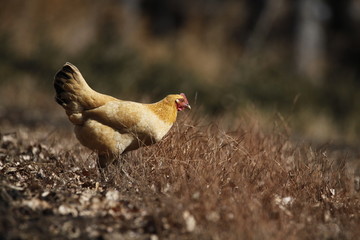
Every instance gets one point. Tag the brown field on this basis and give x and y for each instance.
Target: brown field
(201, 182)
(276, 157)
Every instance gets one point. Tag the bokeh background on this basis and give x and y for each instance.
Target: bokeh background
(296, 61)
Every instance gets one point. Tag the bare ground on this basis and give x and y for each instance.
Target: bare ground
(200, 182)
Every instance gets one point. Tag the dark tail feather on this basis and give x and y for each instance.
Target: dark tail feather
(69, 85)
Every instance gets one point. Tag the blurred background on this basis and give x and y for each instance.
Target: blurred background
(296, 60)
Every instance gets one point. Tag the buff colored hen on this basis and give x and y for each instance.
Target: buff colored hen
(111, 126)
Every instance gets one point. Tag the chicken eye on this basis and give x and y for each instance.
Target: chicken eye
(179, 100)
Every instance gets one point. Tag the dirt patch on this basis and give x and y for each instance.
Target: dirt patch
(200, 182)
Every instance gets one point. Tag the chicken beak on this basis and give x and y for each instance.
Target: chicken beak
(188, 106)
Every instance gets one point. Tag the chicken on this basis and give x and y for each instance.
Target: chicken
(110, 126)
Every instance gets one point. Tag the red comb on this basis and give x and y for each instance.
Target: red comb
(183, 95)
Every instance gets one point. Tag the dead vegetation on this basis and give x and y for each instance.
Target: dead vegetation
(200, 182)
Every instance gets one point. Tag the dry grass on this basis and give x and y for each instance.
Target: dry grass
(200, 182)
